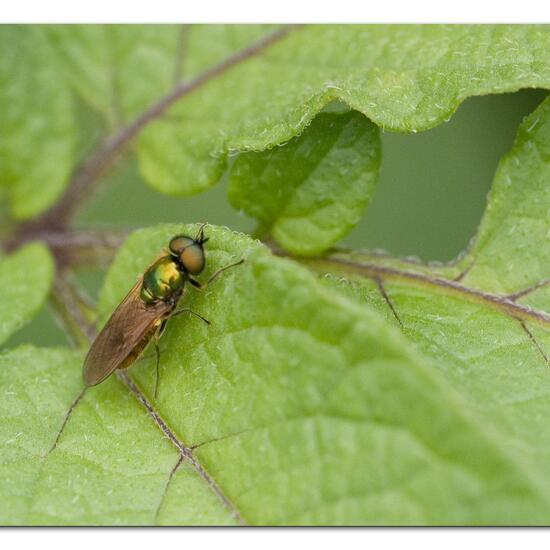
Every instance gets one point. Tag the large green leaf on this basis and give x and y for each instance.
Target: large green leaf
(298, 405)
(26, 277)
(485, 320)
(37, 139)
(403, 78)
(311, 192)
(111, 465)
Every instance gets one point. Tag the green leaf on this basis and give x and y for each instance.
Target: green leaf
(26, 277)
(512, 249)
(404, 78)
(122, 69)
(118, 69)
(298, 405)
(485, 320)
(311, 192)
(109, 467)
(38, 135)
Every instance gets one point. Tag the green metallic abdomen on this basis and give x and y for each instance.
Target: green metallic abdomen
(162, 280)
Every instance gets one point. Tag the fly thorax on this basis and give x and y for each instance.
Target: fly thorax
(162, 280)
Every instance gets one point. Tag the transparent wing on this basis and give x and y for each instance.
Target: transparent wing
(124, 336)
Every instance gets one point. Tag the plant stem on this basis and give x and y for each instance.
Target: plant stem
(74, 247)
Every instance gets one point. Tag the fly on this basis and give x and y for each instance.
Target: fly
(143, 314)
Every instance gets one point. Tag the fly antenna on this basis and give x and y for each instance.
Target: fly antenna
(200, 234)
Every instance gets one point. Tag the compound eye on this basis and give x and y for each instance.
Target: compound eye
(192, 258)
(179, 243)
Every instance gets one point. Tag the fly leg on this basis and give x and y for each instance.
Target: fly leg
(189, 310)
(215, 275)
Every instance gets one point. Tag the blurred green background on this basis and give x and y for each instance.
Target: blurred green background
(430, 198)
